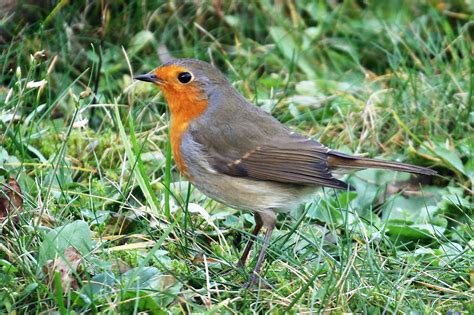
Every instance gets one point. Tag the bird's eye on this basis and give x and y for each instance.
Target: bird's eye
(185, 77)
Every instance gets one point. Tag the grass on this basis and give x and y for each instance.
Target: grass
(90, 151)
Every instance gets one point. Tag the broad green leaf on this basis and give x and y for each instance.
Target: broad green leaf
(415, 231)
(452, 157)
(143, 280)
(75, 234)
(100, 284)
(410, 210)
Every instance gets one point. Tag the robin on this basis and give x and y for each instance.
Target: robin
(241, 156)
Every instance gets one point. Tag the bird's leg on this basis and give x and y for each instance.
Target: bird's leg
(268, 219)
(248, 247)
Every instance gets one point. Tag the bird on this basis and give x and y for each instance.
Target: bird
(240, 155)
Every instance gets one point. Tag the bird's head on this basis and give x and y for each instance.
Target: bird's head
(185, 82)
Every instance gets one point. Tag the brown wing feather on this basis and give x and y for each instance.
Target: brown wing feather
(294, 161)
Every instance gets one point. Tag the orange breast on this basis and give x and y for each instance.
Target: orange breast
(184, 107)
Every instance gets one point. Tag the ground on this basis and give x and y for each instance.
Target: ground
(94, 216)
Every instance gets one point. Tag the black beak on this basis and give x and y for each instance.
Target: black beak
(149, 77)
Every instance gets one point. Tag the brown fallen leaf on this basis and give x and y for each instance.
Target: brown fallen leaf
(66, 266)
(10, 198)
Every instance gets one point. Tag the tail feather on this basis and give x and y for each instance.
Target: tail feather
(338, 160)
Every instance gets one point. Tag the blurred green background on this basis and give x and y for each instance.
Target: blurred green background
(106, 224)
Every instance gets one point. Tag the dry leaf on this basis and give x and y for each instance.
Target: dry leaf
(10, 198)
(66, 266)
